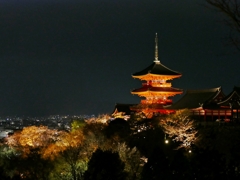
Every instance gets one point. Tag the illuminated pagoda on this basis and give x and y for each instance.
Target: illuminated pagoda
(156, 87)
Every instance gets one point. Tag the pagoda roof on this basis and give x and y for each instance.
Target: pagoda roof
(193, 99)
(157, 89)
(156, 68)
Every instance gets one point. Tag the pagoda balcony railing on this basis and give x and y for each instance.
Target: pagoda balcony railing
(147, 106)
(157, 84)
(167, 101)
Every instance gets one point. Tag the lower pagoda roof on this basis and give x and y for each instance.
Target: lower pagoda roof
(157, 89)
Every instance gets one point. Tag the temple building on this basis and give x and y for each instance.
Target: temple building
(211, 104)
(156, 92)
(156, 88)
(232, 103)
(202, 103)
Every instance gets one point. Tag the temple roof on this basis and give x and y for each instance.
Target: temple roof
(156, 68)
(157, 89)
(197, 98)
(123, 108)
(233, 99)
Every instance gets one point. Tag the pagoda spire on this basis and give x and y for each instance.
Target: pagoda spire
(156, 50)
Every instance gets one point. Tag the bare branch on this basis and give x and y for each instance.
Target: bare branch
(231, 8)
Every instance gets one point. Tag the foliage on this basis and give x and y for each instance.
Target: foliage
(77, 148)
(33, 138)
(117, 129)
(31, 166)
(132, 160)
(77, 124)
(105, 165)
(7, 154)
(44, 144)
(180, 127)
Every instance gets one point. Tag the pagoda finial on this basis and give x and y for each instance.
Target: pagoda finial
(156, 50)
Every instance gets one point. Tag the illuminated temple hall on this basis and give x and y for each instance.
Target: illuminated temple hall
(211, 104)
(156, 88)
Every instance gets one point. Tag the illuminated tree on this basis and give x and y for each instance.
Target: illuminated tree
(231, 8)
(132, 159)
(75, 149)
(77, 124)
(7, 156)
(180, 127)
(33, 138)
(113, 140)
(30, 146)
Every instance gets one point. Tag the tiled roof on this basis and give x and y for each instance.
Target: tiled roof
(196, 98)
(123, 108)
(233, 98)
(157, 68)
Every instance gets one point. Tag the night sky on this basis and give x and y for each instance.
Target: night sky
(77, 57)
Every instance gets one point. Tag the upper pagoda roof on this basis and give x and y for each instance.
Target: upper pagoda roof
(198, 98)
(156, 68)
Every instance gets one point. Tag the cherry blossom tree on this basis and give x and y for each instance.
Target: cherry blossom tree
(180, 128)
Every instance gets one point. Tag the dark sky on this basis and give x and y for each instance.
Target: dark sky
(77, 57)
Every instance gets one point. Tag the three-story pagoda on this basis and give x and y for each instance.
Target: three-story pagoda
(156, 87)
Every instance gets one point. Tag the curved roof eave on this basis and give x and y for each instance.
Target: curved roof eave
(196, 98)
(157, 92)
(157, 75)
(156, 68)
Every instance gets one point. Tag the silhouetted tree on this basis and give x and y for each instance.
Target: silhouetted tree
(231, 8)
(105, 165)
(118, 127)
(157, 166)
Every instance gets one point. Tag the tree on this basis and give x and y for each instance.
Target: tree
(28, 148)
(33, 139)
(231, 8)
(75, 149)
(180, 127)
(70, 154)
(105, 165)
(132, 159)
(118, 129)
(40, 144)
(157, 166)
